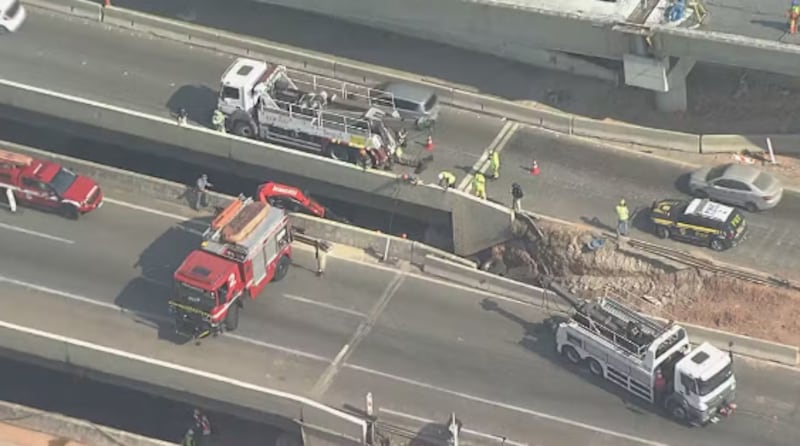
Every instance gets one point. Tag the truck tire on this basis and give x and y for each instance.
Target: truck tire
(244, 129)
(594, 367)
(678, 412)
(282, 268)
(232, 319)
(339, 153)
(571, 355)
(70, 211)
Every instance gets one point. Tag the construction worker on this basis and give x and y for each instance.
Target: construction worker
(494, 164)
(622, 218)
(793, 14)
(218, 120)
(446, 179)
(188, 438)
(200, 192)
(183, 117)
(516, 197)
(321, 255)
(201, 423)
(479, 185)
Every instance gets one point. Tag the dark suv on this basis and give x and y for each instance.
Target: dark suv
(699, 221)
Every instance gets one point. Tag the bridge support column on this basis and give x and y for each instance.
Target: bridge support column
(676, 99)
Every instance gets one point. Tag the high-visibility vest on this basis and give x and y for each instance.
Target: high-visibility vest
(622, 212)
(479, 180)
(447, 176)
(495, 159)
(795, 11)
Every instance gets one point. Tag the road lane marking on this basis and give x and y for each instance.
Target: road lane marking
(499, 142)
(506, 406)
(308, 301)
(498, 438)
(36, 234)
(184, 218)
(153, 316)
(361, 332)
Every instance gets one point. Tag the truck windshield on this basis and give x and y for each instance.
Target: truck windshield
(195, 297)
(62, 181)
(709, 385)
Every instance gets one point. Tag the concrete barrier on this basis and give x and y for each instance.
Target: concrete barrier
(248, 158)
(619, 132)
(167, 378)
(710, 144)
(745, 345)
(78, 8)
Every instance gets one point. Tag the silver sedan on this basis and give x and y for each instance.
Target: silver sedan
(738, 185)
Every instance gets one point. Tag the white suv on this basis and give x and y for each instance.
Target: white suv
(12, 14)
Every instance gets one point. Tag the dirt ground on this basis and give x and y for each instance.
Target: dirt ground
(697, 297)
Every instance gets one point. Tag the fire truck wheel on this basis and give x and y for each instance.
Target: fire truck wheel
(69, 211)
(232, 319)
(282, 268)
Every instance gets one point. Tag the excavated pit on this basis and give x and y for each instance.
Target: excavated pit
(653, 286)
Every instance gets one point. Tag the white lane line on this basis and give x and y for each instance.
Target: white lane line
(36, 234)
(328, 306)
(361, 332)
(498, 438)
(154, 317)
(499, 142)
(183, 218)
(506, 406)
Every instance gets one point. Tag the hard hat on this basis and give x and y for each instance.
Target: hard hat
(205, 177)
(622, 202)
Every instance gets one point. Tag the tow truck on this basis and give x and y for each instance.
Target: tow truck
(616, 343)
(48, 185)
(313, 113)
(246, 246)
(293, 199)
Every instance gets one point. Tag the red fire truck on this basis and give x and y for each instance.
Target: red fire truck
(246, 246)
(293, 199)
(47, 185)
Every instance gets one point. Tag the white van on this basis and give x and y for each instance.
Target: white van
(12, 14)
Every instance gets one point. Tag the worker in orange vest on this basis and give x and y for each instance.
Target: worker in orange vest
(793, 14)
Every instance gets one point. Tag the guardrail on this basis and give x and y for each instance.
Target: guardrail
(431, 260)
(157, 375)
(454, 95)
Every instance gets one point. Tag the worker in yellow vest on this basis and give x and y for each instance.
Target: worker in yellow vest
(622, 218)
(479, 185)
(446, 179)
(794, 15)
(494, 164)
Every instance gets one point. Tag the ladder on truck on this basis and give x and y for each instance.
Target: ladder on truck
(13, 160)
(304, 98)
(619, 324)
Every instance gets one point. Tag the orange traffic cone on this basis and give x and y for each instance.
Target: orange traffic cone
(429, 144)
(535, 168)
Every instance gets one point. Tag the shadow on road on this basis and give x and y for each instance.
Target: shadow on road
(199, 101)
(147, 295)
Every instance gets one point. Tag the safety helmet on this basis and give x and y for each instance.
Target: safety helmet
(622, 202)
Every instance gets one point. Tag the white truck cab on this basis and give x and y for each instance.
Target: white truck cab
(12, 15)
(239, 84)
(703, 380)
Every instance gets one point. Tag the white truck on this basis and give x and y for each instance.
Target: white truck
(618, 344)
(334, 118)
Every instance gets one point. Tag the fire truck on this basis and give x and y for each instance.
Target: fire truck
(246, 246)
(293, 199)
(616, 343)
(313, 113)
(47, 185)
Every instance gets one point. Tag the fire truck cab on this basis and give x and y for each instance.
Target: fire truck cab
(47, 185)
(245, 247)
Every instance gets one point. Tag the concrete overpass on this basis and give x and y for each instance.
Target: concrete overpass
(558, 34)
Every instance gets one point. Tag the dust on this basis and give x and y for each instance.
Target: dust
(690, 295)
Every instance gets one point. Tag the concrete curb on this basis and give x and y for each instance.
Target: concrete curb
(78, 430)
(454, 95)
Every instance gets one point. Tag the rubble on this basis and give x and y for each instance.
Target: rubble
(688, 294)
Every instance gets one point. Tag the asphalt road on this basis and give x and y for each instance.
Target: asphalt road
(429, 347)
(764, 19)
(583, 183)
(157, 76)
(120, 408)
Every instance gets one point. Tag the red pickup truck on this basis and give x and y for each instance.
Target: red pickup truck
(48, 185)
